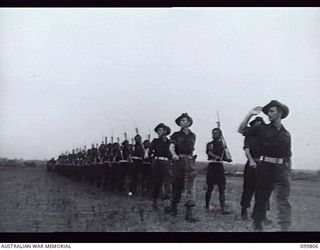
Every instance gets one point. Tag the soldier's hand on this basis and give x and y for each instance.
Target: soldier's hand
(175, 157)
(253, 164)
(256, 110)
(218, 159)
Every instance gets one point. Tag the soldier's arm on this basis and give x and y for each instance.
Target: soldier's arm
(172, 149)
(215, 157)
(245, 121)
(210, 153)
(249, 157)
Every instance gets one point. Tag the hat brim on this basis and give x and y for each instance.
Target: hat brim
(274, 103)
(178, 120)
(167, 129)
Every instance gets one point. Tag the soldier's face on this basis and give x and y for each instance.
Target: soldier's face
(161, 132)
(137, 139)
(215, 134)
(274, 114)
(184, 122)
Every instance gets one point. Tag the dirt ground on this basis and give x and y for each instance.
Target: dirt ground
(34, 200)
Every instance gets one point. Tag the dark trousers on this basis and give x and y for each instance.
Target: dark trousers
(272, 177)
(161, 175)
(137, 176)
(216, 176)
(184, 174)
(148, 176)
(249, 185)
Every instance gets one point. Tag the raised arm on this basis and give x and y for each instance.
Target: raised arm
(245, 121)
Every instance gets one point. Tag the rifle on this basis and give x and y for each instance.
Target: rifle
(226, 153)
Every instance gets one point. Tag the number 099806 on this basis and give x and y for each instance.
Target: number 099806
(308, 245)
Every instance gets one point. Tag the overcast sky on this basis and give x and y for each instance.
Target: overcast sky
(69, 77)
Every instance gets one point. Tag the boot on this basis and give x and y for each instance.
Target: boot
(224, 210)
(284, 228)
(244, 213)
(257, 226)
(267, 221)
(172, 209)
(167, 207)
(154, 204)
(189, 216)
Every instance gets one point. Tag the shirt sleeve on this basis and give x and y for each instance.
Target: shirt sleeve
(252, 131)
(208, 148)
(247, 143)
(173, 138)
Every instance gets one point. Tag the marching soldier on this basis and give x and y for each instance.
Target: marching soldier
(137, 173)
(184, 172)
(215, 172)
(161, 172)
(124, 165)
(275, 163)
(147, 161)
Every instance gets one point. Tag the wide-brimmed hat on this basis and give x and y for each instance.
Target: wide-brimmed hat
(183, 116)
(275, 103)
(257, 119)
(162, 125)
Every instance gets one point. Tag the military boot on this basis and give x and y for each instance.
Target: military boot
(167, 207)
(154, 204)
(172, 208)
(257, 226)
(267, 221)
(284, 228)
(223, 209)
(189, 216)
(244, 213)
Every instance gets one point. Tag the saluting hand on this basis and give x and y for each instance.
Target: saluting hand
(256, 110)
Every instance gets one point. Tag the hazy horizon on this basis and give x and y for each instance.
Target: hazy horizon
(70, 77)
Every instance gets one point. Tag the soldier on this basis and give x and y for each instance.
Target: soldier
(161, 173)
(215, 172)
(102, 152)
(137, 174)
(124, 166)
(275, 163)
(184, 172)
(252, 151)
(147, 161)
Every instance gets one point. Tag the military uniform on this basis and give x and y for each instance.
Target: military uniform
(184, 171)
(273, 170)
(161, 168)
(249, 176)
(215, 171)
(137, 169)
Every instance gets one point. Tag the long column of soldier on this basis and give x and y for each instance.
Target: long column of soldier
(108, 166)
